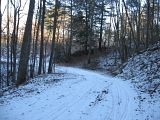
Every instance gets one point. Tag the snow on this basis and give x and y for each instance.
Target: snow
(75, 94)
(143, 70)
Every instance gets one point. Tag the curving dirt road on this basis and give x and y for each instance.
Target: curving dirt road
(85, 95)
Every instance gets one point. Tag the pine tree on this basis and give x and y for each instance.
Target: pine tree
(25, 50)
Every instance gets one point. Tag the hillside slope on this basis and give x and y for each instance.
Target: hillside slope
(144, 70)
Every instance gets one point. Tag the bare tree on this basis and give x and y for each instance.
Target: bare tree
(14, 37)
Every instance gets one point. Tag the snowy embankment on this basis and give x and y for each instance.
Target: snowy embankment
(143, 71)
(74, 94)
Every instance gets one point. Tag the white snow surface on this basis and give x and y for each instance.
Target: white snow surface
(75, 94)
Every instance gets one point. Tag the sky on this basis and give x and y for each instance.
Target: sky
(23, 13)
(23, 6)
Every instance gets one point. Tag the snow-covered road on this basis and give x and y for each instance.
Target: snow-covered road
(81, 95)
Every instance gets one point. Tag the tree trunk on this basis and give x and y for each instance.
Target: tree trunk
(139, 24)
(36, 39)
(157, 29)
(71, 33)
(0, 46)
(25, 50)
(101, 27)
(42, 40)
(8, 43)
(86, 27)
(130, 24)
(63, 33)
(148, 22)
(91, 10)
(15, 47)
(152, 23)
(53, 38)
(14, 42)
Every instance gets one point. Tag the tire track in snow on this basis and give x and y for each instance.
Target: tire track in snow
(67, 105)
(115, 103)
(128, 104)
(123, 104)
(74, 105)
(120, 102)
(71, 105)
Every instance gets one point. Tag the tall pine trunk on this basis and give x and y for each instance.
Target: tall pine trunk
(148, 24)
(91, 15)
(53, 38)
(14, 41)
(8, 43)
(42, 40)
(25, 50)
(86, 27)
(36, 40)
(101, 27)
(71, 33)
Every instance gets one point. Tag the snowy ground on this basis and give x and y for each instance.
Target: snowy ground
(143, 70)
(75, 94)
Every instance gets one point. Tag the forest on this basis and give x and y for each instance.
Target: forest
(54, 30)
(80, 59)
